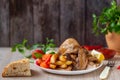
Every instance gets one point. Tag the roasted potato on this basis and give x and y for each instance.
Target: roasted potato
(59, 63)
(53, 66)
(68, 62)
(62, 58)
(63, 62)
(53, 58)
(63, 66)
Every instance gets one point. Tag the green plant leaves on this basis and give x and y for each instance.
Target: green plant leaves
(109, 20)
(22, 47)
(37, 55)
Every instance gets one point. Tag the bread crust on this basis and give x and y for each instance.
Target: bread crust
(17, 68)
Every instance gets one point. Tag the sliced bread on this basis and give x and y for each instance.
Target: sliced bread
(17, 68)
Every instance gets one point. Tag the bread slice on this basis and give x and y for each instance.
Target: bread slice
(17, 68)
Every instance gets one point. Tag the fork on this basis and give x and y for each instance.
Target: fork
(104, 74)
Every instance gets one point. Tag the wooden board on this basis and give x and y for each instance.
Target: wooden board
(72, 17)
(21, 21)
(118, 2)
(94, 6)
(46, 20)
(35, 20)
(4, 23)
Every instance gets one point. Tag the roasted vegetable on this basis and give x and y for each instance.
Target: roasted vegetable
(62, 58)
(53, 58)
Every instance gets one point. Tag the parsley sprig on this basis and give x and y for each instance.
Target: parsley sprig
(108, 21)
(22, 47)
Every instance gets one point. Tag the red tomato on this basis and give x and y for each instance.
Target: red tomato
(44, 61)
(38, 62)
(46, 57)
(37, 54)
(44, 65)
(108, 53)
(118, 67)
(92, 47)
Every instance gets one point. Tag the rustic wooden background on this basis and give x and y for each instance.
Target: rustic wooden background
(35, 20)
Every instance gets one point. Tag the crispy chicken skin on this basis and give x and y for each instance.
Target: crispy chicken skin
(70, 45)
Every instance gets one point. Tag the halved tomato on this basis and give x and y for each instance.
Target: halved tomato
(37, 54)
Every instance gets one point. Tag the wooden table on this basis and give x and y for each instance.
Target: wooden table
(6, 57)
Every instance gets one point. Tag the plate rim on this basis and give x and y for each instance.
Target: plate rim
(63, 72)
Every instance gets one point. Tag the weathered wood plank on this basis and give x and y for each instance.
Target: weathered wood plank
(94, 6)
(4, 23)
(21, 21)
(58, 19)
(118, 2)
(72, 19)
(46, 20)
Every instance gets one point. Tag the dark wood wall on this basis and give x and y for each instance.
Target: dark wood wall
(35, 20)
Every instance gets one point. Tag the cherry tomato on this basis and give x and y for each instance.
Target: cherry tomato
(38, 62)
(37, 54)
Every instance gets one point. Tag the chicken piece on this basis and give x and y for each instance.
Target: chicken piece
(70, 45)
(93, 59)
(82, 59)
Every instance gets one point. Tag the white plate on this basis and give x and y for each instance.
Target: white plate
(63, 72)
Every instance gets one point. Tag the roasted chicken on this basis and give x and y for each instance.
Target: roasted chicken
(70, 45)
(79, 56)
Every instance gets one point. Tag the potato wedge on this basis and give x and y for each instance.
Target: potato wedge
(53, 66)
(63, 66)
(68, 62)
(62, 58)
(59, 63)
(53, 58)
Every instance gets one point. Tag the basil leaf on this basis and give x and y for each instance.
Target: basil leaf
(24, 42)
(29, 56)
(35, 46)
(22, 51)
(37, 55)
(13, 49)
(52, 53)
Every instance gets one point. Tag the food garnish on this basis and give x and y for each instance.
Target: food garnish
(23, 47)
(98, 55)
(37, 54)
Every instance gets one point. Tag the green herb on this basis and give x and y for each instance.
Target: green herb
(37, 55)
(108, 21)
(52, 53)
(48, 45)
(21, 48)
(45, 47)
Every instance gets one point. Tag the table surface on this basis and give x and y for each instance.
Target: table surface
(6, 57)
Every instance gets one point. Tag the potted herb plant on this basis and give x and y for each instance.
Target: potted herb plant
(108, 23)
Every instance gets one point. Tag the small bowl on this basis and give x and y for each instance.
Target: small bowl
(108, 53)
